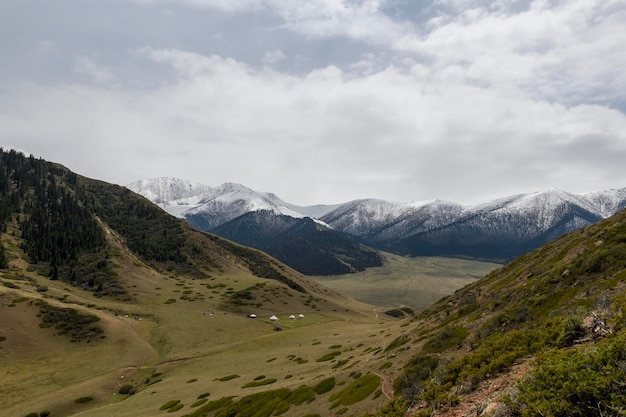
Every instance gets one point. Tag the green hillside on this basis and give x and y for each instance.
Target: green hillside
(556, 313)
(109, 306)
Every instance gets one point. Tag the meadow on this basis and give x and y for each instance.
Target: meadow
(414, 282)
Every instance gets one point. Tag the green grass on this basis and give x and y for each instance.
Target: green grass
(356, 391)
(416, 282)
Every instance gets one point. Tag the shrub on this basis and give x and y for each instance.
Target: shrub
(324, 386)
(227, 377)
(582, 381)
(397, 343)
(175, 408)
(260, 383)
(341, 363)
(447, 338)
(301, 395)
(199, 402)
(83, 400)
(127, 389)
(358, 390)
(169, 404)
(329, 356)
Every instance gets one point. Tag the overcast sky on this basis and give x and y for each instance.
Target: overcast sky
(322, 101)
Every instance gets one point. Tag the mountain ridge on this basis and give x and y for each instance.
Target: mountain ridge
(496, 230)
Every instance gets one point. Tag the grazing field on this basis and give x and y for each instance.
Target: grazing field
(414, 282)
(181, 342)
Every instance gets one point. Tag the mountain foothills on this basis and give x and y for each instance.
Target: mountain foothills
(495, 231)
(111, 307)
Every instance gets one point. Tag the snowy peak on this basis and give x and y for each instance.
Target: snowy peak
(607, 202)
(221, 204)
(498, 229)
(165, 190)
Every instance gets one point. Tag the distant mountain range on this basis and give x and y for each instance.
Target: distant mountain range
(335, 239)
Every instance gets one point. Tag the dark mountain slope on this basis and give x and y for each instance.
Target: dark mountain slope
(496, 235)
(303, 244)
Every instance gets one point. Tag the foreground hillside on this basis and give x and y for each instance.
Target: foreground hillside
(109, 306)
(542, 336)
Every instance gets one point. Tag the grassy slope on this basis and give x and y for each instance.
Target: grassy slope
(533, 305)
(178, 340)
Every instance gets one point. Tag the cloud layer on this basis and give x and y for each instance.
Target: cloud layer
(332, 100)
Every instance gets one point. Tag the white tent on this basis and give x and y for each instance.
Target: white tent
(273, 318)
(301, 316)
(292, 317)
(252, 316)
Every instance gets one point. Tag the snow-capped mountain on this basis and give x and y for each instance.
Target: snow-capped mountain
(262, 221)
(208, 207)
(499, 230)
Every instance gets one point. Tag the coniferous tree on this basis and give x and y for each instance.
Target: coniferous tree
(3, 258)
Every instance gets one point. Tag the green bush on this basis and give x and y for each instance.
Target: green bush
(169, 404)
(324, 386)
(446, 339)
(357, 390)
(260, 383)
(175, 408)
(302, 395)
(227, 377)
(329, 356)
(397, 343)
(199, 402)
(127, 389)
(586, 381)
(83, 400)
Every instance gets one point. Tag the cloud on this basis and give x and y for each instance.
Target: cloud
(541, 47)
(99, 74)
(326, 134)
(463, 99)
(272, 57)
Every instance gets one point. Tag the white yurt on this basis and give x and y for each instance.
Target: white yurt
(274, 318)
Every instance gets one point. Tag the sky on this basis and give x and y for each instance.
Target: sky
(322, 101)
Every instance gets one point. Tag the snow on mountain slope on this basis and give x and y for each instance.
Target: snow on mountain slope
(210, 206)
(542, 209)
(528, 218)
(378, 220)
(607, 202)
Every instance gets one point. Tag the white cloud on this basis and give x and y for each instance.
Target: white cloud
(391, 134)
(472, 100)
(273, 57)
(99, 74)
